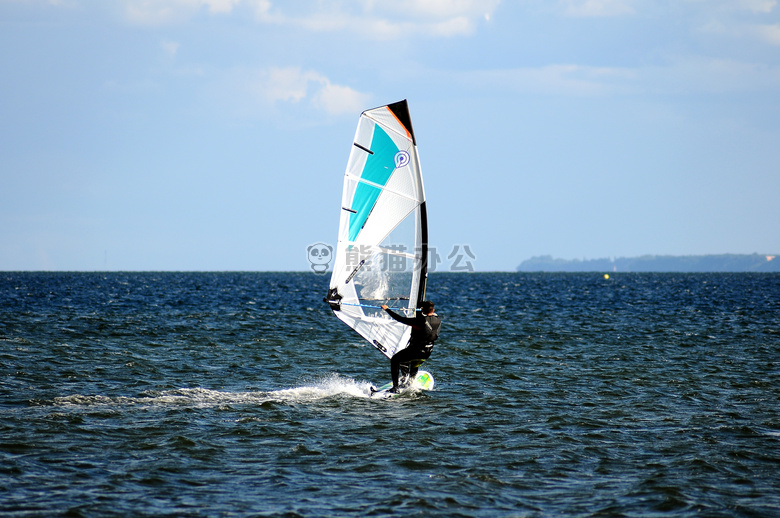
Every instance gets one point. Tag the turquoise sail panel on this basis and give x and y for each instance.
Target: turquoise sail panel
(378, 169)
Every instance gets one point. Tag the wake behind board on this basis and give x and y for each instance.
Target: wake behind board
(423, 381)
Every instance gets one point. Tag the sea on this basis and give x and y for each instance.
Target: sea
(240, 394)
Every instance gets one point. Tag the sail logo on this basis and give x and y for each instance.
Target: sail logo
(401, 159)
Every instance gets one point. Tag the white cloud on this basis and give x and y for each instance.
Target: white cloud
(594, 8)
(297, 86)
(149, 12)
(460, 25)
(170, 47)
(372, 26)
(769, 33)
(262, 9)
(711, 8)
(757, 6)
(765, 33)
(557, 79)
(157, 12)
(59, 3)
(435, 9)
(337, 99)
(286, 84)
(697, 74)
(220, 6)
(733, 23)
(444, 18)
(369, 18)
(730, 29)
(681, 76)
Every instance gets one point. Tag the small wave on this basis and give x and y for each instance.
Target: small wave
(332, 386)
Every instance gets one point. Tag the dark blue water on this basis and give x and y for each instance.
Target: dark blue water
(239, 394)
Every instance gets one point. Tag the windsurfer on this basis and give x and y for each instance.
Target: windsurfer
(425, 330)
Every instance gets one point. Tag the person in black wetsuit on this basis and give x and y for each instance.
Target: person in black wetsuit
(425, 330)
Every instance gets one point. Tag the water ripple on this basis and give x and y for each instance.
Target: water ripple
(239, 394)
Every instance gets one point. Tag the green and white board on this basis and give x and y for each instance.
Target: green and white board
(423, 381)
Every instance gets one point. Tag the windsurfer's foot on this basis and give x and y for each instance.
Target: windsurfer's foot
(393, 390)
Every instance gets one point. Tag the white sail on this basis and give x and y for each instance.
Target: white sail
(381, 256)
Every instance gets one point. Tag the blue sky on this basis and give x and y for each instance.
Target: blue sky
(213, 134)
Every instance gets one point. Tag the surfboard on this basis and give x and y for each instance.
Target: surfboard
(423, 381)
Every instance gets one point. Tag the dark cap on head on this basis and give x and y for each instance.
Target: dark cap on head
(426, 306)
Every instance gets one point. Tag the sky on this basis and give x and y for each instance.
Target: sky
(213, 134)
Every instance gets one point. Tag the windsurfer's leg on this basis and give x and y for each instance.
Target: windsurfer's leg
(395, 365)
(403, 356)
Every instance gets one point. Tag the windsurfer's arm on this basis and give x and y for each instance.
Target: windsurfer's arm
(404, 320)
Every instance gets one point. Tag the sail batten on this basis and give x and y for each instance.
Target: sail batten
(363, 148)
(382, 246)
(397, 193)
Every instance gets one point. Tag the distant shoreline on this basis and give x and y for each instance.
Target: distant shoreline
(657, 263)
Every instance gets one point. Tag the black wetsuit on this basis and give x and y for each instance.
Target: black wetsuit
(425, 331)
